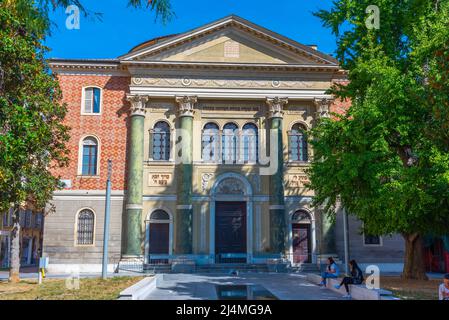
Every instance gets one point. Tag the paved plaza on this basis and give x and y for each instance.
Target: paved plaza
(202, 287)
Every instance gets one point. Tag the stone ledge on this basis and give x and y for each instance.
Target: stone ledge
(140, 290)
(358, 292)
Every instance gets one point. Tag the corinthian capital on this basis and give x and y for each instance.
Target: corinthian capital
(138, 103)
(276, 106)
(186, 105)
(323, 107)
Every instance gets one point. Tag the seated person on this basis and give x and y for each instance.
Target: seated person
(332, 271)
(355, 278)
(443, 291)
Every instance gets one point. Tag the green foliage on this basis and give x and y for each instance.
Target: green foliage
(387, 159)
(32, 136)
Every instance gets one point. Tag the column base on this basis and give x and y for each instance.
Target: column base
(184, 224)
(278, 234)
(134, 233)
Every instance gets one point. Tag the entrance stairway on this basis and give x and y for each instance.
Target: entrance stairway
(230, 267)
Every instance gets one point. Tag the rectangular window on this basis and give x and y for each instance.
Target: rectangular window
(22, 218)
(38, 221)
(92, 100)
(28, 215)
(371, 240)
(96, 102)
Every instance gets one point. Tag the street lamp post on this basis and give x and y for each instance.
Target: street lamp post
(346, 239)
(107, 214)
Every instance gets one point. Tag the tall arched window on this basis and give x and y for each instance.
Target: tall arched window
(229, 143)
(298, 143)
(161, 141)
(210, 142)
(85, 225)
(250, 143)
(89, 157)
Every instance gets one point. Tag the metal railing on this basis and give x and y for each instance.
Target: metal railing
(131, 265)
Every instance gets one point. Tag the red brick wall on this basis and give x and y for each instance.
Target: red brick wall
(110, 127)
(339, 106)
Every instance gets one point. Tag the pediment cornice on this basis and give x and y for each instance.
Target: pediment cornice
(232, 22)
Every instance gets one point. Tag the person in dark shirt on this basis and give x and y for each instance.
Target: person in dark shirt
(355, 278)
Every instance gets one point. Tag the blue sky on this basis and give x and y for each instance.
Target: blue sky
(122, 28)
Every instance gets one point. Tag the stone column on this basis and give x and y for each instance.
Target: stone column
(184, 167)
(278, 227)
(135, 176)
(327, 233)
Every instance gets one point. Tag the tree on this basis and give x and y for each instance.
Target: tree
(387, 158)
(32, 133)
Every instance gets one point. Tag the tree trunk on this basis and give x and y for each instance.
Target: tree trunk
(414, 264)
(14, 271)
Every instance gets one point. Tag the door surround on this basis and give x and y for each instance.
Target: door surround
(312, 233)
(148, 220)
(232, 187)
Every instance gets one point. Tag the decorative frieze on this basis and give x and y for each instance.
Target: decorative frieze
(186, 105)
(228, 83)
(276, 106)
(138, 104)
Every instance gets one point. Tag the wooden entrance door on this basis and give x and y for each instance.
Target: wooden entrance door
(230, 231)
(159, 238)
(301, 243)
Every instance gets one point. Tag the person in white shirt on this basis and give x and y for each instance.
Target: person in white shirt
(443, 291)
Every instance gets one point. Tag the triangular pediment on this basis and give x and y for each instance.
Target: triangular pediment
(229, 40)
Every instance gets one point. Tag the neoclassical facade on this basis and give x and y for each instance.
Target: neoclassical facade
(207, 132)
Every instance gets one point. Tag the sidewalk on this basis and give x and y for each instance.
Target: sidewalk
(31, 273)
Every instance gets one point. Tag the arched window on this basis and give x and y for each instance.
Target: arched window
(298, 143)
(160, 215)
(250, 143)
(229, 143)
(92, 100)
(301, 216)
(210, 142)
(85, 227)
(161, 141)
(89, 157)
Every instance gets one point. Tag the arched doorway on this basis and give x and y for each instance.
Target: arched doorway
(159, 235)
(231, 220)
(301, 237)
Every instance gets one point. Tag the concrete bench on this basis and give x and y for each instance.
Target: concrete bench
(140, 290)
(358, 292)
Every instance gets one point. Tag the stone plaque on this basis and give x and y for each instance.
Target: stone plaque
(160, 179)
(298, 180)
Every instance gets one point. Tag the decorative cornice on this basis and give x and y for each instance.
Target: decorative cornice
(276, 106)
(138, 103)
(186, 105)
(323, 107)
